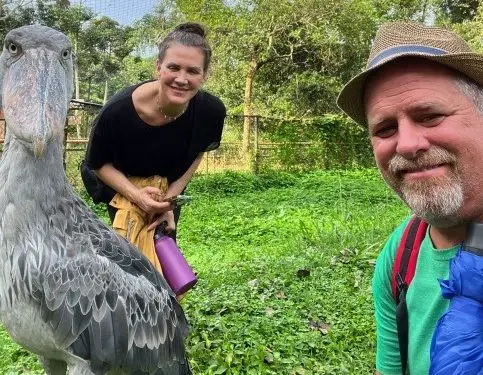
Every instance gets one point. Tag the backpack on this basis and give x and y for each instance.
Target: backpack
(402, 274)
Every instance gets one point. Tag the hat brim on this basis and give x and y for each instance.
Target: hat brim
(351, 98)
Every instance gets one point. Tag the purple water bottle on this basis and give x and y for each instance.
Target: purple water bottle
(176, 270)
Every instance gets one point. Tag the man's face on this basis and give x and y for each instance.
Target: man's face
(427, 138)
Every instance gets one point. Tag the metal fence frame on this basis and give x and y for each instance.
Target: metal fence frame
(263, 154)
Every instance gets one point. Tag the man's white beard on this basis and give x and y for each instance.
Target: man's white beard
(436, 200)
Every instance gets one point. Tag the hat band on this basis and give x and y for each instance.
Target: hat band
(405, 50)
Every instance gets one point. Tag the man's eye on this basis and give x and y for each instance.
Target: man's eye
(173, 68)
(384, 131)
(431, 118)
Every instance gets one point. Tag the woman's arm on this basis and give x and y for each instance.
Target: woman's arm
(144, 198)
(176, 188)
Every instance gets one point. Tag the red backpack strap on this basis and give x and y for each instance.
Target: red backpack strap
(407, 255)
(402, 275)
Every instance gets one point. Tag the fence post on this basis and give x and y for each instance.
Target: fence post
(255, 165)
(206, 162)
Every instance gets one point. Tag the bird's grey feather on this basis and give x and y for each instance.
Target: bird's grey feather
(87, 297)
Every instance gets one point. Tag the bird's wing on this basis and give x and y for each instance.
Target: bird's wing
(112, 318)
(87, 233)
(106, 242)
(102, 297)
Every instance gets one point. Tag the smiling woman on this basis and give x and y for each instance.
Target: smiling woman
(148, 140)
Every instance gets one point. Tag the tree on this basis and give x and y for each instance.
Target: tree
(472, 30)
(459, 11)
(14, 14)
(68, 19)
(104, 44)
(273, 44)
(415, 10)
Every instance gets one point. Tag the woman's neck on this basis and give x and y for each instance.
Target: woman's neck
(148, 102)
(169, 111)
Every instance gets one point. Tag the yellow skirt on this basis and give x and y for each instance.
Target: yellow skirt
(132, 223)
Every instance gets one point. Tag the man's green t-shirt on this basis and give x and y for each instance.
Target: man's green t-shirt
(424, 301)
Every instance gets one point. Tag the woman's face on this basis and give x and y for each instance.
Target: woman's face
(180, 74)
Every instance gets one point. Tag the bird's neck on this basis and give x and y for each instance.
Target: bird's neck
(28, 177)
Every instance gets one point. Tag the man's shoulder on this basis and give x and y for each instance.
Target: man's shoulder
(386, 257)
(395, 237)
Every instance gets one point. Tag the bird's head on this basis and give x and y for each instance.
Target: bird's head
(36, 84)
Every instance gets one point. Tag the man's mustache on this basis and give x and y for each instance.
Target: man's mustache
(429, 159)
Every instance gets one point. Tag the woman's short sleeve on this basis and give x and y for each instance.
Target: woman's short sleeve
(100, 150)
(214, 118)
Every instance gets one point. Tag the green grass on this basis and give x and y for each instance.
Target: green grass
(285, 265)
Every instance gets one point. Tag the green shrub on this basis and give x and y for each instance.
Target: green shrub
(335, 142)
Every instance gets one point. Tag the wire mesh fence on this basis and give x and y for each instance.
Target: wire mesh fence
(270, 144)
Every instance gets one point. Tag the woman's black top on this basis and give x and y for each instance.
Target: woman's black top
(121, 138)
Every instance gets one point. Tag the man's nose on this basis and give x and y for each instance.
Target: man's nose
(411, 139)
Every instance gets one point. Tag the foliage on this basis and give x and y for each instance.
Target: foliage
(290, 48)
(282, 59)
(16, 360)
(472, 30)
(104, 44)
(415, 10)
(459, 11)
(252, 312)
(60, 15)
(100, 43)
(135, 69)
(12, 16)
(303, 50)
(284, 264)
(336, 142)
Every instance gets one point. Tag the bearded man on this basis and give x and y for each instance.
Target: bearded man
(421, 99)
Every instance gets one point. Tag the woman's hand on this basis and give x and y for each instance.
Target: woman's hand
(168, 217)
(149, 199)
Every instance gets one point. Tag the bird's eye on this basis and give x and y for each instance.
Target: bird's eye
(13, 48)
(66, 53)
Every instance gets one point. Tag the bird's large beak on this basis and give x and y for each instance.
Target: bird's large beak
(35, 98)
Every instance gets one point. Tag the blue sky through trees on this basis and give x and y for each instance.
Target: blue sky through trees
(123, 11)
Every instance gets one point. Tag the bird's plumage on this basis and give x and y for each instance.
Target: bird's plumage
(71, 289)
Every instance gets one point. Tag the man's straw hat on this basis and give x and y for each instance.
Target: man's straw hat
(400, 39)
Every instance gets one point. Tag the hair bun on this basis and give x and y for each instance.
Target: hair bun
(191, 27)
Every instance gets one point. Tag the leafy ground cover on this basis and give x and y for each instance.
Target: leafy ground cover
(284, 263)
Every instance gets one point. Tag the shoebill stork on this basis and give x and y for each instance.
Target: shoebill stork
(71, 290)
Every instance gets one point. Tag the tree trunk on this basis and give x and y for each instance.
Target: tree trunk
(106, 87)
(77, 96)
(89, 89)
(252, 70)
(76, 73)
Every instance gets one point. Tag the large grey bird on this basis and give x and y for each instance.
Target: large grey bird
(71, 290)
